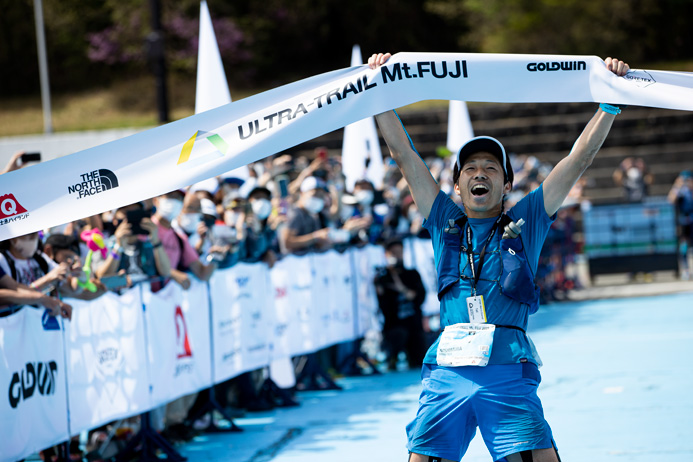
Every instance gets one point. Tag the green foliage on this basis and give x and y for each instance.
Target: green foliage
(635, 30)
(264, 44)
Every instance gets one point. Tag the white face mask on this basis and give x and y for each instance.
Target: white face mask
(315, 204)
(169, 208)
(391, 261)
(189, 221)
(346, 212)
(364, 196)
(26, 248)
(261, 208)
(230, 217)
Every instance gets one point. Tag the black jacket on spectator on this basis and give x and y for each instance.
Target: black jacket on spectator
(396, 309)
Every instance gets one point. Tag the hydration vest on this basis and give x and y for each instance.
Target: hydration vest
(517, 278)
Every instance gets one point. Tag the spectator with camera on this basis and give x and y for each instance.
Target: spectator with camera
(62, 248)
(136, 250)
(24, 260)
(400, 294)
(181, 255)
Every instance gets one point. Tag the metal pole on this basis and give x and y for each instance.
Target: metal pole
(156, 55)
(43, 68)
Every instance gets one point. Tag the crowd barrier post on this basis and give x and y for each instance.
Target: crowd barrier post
(212, 404)
(147, 437)
(350, 361)
(312, 369)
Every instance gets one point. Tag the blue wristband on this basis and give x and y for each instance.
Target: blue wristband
(610, 109)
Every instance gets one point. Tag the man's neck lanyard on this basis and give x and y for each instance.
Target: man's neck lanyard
(476, 272)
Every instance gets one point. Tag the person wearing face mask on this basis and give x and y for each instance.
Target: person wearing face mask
(30, 269)
(140, 256)
(364, 195)
(181, 255)
(400, 295)
(304, 231)
(260, 237)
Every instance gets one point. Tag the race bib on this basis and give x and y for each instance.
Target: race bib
(465, 344)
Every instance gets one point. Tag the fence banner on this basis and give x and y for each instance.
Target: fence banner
(285, 326)
(242, 320)
(186, 151)
(366, 261)
(178, 340)
(323, 300)
(33, 407)
(342, 298)
(423, 261)
(300, 295)
(106, 362)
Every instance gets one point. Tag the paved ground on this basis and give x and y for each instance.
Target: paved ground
(616, 387)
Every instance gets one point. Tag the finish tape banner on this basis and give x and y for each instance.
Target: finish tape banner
(180, 153)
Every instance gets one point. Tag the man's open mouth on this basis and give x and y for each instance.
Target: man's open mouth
(479, 190)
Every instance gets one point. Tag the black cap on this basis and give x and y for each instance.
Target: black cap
(490, 145)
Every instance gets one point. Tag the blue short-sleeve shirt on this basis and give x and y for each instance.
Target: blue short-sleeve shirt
(510, 346)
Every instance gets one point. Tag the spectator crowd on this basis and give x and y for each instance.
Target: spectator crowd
(282, 205)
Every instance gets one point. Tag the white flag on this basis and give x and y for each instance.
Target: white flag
(361, 156)
(212, 87)
(459, 126)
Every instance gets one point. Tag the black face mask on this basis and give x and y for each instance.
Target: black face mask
(110, 227)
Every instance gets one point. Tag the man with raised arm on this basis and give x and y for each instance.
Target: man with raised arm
(483, 369)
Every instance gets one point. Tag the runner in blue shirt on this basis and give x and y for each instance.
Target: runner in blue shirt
(483, 369)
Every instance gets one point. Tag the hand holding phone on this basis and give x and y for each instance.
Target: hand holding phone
(135, 217)
(30, 157)
(115, 282)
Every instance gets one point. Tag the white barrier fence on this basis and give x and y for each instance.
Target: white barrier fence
(122, 355)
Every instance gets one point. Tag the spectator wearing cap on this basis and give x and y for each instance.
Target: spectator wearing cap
(206, 189)
(304, 231)
(202, 239)
(371, 223)
(181, 255)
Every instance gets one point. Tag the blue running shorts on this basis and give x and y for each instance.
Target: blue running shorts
(500, 399)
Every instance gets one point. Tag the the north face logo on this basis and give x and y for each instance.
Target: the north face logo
(94, 182)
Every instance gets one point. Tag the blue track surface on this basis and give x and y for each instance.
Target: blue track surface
(617, 386)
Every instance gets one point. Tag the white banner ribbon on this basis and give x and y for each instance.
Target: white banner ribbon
(180, 153)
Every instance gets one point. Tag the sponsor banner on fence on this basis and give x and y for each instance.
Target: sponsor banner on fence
(342, 297)
(284, 326)
(366, 260)
(301, 297)
(107, 366)
(323, 301)
(204, 145)
(242, 320)
(178, 340)
(419, 255)
(33, 407)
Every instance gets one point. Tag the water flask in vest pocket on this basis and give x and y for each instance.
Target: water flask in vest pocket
(517, 280)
